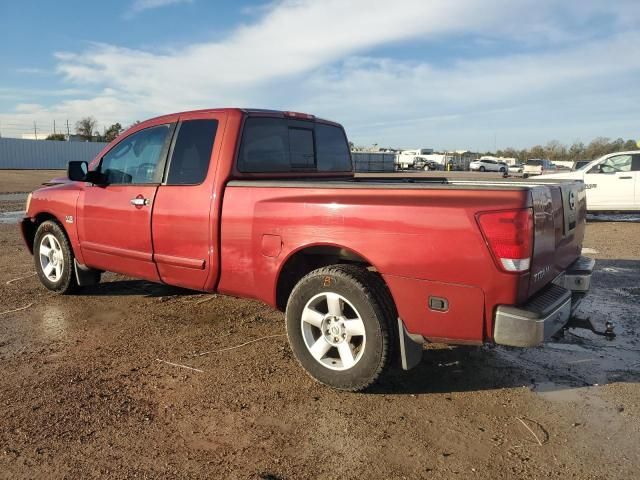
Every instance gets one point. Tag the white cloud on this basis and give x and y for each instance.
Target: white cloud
(318, 57)
(139, 6)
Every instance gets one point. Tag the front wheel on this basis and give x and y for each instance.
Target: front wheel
(502, 170)
(338, 322)
(53, 258)
(482, 169)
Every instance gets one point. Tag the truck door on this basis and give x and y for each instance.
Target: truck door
(114, 219)
(611, 184)
(635, 171)
(184, 226)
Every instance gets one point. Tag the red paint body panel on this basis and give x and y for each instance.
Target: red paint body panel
(115, 235)
(462, 319)
(234, 233)
(185, 220)
(59, 201)
(415, 234)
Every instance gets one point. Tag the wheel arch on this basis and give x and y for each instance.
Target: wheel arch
(30, 226)
(310, 257)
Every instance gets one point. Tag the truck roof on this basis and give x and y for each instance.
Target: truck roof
(255, 112)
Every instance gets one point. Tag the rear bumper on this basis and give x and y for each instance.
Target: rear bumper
(545, 313)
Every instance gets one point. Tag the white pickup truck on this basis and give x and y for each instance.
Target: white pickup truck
(612, 182)
(537, 166)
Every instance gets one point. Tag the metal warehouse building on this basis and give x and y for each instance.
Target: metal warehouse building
(17, 153)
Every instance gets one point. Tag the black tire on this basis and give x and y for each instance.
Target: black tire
(502, 170)
(368, 295)
(482, 169)
(66, 282)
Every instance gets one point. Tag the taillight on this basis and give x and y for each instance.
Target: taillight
(509, 235)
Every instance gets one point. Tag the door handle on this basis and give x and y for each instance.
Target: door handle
(625, 178)
(139, 202)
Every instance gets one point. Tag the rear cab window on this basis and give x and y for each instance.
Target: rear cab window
(281, 145)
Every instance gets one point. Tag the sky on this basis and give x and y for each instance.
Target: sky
(444, 74)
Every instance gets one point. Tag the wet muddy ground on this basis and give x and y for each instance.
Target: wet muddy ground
(91, 388)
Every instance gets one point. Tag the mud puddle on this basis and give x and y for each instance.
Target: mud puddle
(8, 218)
(622, 217)
(13, 197)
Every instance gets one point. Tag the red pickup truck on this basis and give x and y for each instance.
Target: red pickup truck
(265, 205)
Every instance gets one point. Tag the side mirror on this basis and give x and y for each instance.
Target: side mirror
(77, 171)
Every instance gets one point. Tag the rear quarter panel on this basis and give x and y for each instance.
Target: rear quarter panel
(424, 241)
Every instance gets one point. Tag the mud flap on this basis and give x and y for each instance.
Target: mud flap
(84, 275)
(410, 350)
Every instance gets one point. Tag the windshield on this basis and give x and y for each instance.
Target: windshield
(535, 163)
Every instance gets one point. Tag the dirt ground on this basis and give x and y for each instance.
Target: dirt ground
(12, 181)
(89, 389)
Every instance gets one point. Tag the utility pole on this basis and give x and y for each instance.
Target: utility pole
(54, 126)
(35, 129)
(68, 133)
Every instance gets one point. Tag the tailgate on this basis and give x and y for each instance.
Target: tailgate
(559, 223)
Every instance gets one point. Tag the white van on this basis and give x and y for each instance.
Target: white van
(612, 182)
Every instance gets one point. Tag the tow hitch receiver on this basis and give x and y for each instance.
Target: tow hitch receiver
(586, 323)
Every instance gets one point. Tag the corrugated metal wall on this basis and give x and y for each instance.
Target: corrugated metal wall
(373, 162)
(16, 153)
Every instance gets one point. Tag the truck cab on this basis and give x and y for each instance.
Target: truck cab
(612, 182)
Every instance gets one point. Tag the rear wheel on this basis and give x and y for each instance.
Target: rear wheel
(339, 326)
(502, 170)
(53, 258)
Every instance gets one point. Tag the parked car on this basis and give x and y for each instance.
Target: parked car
(488, 165)
(537, 166)
(432, 165)
(517, 168)
(612, 182)
(264, 204)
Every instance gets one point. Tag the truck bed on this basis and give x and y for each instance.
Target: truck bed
(424, 230)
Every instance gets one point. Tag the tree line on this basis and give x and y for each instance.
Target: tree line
(556, 151)
(87, 129)
(553, 150)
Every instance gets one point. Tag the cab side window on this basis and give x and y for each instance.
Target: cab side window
(619, 163)
(138, 158)
(192, 152)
